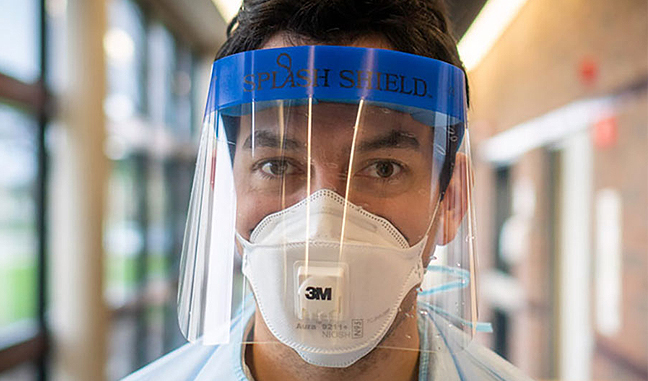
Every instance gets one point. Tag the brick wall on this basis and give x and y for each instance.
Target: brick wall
(554, 53)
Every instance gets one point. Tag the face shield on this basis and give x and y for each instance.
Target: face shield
(332, 194)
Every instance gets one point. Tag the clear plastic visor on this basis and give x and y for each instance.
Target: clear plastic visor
(331, 228)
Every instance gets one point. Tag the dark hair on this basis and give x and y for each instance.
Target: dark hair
(412, 26)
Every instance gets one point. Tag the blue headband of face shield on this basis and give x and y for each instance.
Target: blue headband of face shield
(432, 91)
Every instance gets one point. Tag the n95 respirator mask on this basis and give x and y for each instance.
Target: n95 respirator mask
(329, 277)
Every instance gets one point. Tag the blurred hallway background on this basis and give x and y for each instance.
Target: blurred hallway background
(100, 113)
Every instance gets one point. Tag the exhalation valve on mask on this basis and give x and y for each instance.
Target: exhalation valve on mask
(318, 269)
(321, 291)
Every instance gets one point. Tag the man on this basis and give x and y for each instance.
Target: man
(334, 172)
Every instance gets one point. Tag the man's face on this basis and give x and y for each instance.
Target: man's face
(376, 157)
(379, 158)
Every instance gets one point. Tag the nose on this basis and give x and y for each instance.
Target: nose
(328, 175)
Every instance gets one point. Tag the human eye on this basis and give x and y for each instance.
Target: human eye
(275, 168)
(382, 169)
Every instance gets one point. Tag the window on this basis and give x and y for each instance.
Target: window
(22, 190)
(18, 211)
(150, 111)
(20, 39)
(151, 119)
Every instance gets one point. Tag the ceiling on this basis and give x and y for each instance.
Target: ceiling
(462, 13)
(201, 25)
(197, 22)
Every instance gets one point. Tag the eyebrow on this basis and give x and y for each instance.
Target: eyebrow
(394, 139)
(269, 139)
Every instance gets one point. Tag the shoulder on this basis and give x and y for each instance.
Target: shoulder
(477, 362)
(471, 362)
(195, 361)
(182, 364)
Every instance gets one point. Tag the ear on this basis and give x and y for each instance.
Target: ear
(454, 205)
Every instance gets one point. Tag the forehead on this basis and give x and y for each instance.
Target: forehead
(331, 119)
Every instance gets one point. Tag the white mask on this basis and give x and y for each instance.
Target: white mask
(330, 298)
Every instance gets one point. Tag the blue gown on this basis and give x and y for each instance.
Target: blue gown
(195, 361)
